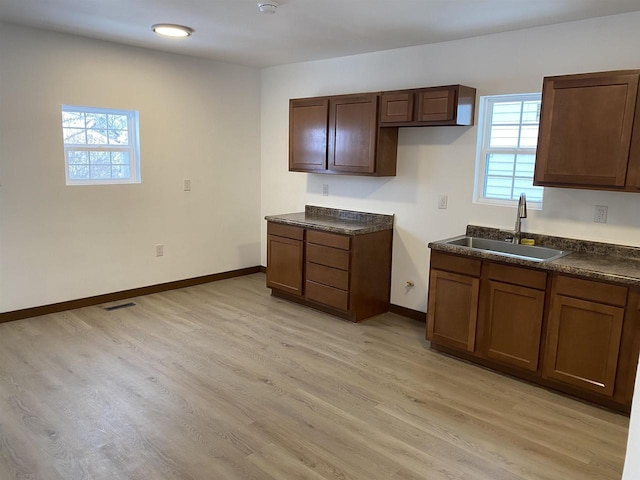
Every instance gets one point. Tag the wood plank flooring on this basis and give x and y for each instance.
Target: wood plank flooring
(222, 381)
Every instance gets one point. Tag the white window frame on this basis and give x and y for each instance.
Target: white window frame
(133, 148)
(483, 149)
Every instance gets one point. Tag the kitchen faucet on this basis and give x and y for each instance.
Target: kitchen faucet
(520, 214)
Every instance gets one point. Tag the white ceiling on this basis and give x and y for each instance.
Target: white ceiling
(235, 31)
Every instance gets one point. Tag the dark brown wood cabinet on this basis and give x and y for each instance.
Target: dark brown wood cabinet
(347, 276)
(435, 106)
(308, 131)
(285, 258)
(340, 135)
(356, 144)
(589, 133)
(357, 134)
(511, 315)
(585, 329)
(572, 334)
(454, 287)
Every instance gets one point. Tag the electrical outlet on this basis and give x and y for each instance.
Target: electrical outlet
(442, 202)
(600, 214)
(325, 190)
(186, 185)
(159, 250)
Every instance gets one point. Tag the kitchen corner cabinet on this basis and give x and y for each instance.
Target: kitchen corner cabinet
(569, 333)
(347, 276)
(340, 135)
(589, 134)
(454, 287)
(436, 106)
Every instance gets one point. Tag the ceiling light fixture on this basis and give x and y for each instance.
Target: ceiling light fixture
(171, 30)
(269, 7)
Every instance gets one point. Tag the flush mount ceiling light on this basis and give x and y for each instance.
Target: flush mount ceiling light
(269, 7)
(171, 30)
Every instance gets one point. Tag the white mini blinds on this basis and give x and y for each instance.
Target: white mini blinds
(507, 141)
(100, 145)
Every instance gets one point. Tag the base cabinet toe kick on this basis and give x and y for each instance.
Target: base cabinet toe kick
(571, 334)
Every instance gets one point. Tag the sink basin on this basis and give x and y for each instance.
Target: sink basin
(525, 252)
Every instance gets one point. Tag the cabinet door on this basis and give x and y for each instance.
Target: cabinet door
(453, 309)
(583, 342)
(284, 264)
(308, 134)
(513, 324)
(436, 105)
(585, 129)
(396, 107)
(352, 133)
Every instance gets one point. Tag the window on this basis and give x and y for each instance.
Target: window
(507, 140)
(100, 145)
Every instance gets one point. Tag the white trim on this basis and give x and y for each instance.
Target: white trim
(133, 148)
(482, 148)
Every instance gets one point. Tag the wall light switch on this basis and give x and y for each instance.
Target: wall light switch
(186, 185)
(442, 202)
(159, 250)
(325, 190)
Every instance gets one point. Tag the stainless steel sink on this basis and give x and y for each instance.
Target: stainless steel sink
(525, 252)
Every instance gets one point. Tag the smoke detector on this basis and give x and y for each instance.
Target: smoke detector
(269, 6)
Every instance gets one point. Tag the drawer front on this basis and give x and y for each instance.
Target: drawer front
(330, 257)
(518, 276)
(342, 242)
(591, 291)
(288, 231)
(332, 297)
(332, 277)
(455, 264)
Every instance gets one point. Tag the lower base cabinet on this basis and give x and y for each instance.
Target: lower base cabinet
(346, 275)
(572, 334)
(453, 302)
(511, 315)
(584, 335)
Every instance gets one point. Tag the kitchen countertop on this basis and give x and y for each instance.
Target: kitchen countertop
(594, 260)
(333, 220)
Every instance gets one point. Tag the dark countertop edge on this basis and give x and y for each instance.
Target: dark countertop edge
(366, 228)
(549, 266)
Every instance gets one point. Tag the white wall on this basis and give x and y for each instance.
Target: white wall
(441, 160)
(198, 120)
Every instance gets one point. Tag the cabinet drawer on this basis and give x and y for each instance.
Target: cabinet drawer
(455, 263)
(333, 297)
(592, 291)
(331, 257)
(518, 276)
(329, 239)
(332, 277)
(288, 231)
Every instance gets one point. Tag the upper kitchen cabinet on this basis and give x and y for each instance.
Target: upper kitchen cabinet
(356, 144)
(308, 134)
(590, 132)
(423, 107)
(357, 134)
(340, 135)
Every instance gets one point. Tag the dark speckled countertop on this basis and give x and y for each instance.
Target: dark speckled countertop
(595, 260)
(344, 222)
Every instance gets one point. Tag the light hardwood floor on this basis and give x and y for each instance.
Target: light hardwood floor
(222, 381)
